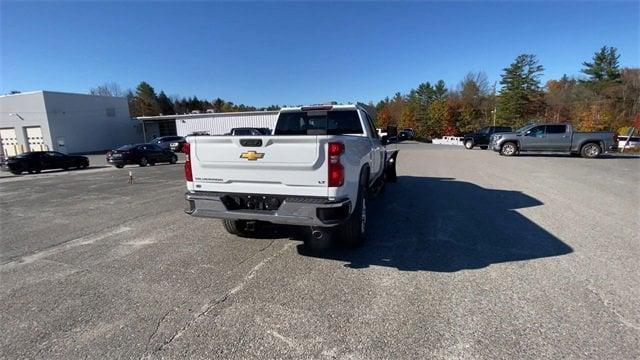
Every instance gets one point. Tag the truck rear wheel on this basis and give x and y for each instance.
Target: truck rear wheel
(508, 149)
(468, 144)
(237, 227)
(590, 150)
(352, 231)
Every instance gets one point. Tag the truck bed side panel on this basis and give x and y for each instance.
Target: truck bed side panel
(580, 138)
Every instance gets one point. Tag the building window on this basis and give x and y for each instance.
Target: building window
(111, 112)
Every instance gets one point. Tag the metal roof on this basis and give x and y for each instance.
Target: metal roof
(203, 115)
(58, 92)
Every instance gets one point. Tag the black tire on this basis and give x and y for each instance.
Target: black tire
(84, 165)
(16, 171)
(152, 163)
(590, 150)
(509, 149)
(351, 233)
(174, 159)
(468, 144)
(237, 227)
(119, 166)
(143, 161)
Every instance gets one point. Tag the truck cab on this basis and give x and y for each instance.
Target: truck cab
(481, 137)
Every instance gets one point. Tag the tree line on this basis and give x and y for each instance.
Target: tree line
(605, 98)
(144, 101)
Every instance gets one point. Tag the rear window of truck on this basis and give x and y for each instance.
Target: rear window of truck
(338, 122)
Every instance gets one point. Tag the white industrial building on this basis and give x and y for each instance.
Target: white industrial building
(212, 123)
(65, 122)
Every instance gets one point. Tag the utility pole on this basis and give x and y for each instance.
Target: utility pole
(494, 104)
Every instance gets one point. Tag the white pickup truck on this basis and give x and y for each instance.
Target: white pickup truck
(315, 170)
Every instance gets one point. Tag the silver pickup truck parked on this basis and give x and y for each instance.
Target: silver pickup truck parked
(554, 138)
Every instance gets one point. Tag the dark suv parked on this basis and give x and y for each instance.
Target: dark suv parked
(481, 137)
(165, 141)
(141, 154)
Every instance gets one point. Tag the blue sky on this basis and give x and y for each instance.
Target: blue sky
(294, 53)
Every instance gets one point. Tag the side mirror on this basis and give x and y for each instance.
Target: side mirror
(384, 140)
(527, 133)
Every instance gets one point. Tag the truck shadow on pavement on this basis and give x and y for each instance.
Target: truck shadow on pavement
(445, 225)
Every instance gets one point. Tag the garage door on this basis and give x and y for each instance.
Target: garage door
(9, 142)
(34, 139)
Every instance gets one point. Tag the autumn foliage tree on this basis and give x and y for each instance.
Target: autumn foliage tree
(607, 97)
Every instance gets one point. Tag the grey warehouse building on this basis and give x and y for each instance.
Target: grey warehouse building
(65, 122)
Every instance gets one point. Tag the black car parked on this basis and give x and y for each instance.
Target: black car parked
(166, 141)
(141, 154)
(406, 134)
(36, 161)
(481, 137)
(176, 145)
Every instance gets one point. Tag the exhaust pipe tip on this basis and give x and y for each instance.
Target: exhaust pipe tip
(317, 234)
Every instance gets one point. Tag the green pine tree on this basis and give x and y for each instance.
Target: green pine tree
(146, 100)
(604, 69)
(520, 95)
(440, 90)
(164, 104)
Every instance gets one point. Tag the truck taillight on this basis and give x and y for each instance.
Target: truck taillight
(186, 149)
(336, 170)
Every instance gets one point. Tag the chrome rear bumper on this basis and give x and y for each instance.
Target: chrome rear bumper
(304, 211)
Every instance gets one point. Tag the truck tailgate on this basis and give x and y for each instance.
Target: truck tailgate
(286, 165)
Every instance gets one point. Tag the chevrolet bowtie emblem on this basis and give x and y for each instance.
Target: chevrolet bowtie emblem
(251, 155)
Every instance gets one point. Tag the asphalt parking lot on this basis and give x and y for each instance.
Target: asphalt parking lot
(469, 255)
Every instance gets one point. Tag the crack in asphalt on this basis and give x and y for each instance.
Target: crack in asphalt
(158, 324)
(210, 306)
(621, 319)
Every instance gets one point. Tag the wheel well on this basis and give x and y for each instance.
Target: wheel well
(597, 142)
(510, 142)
